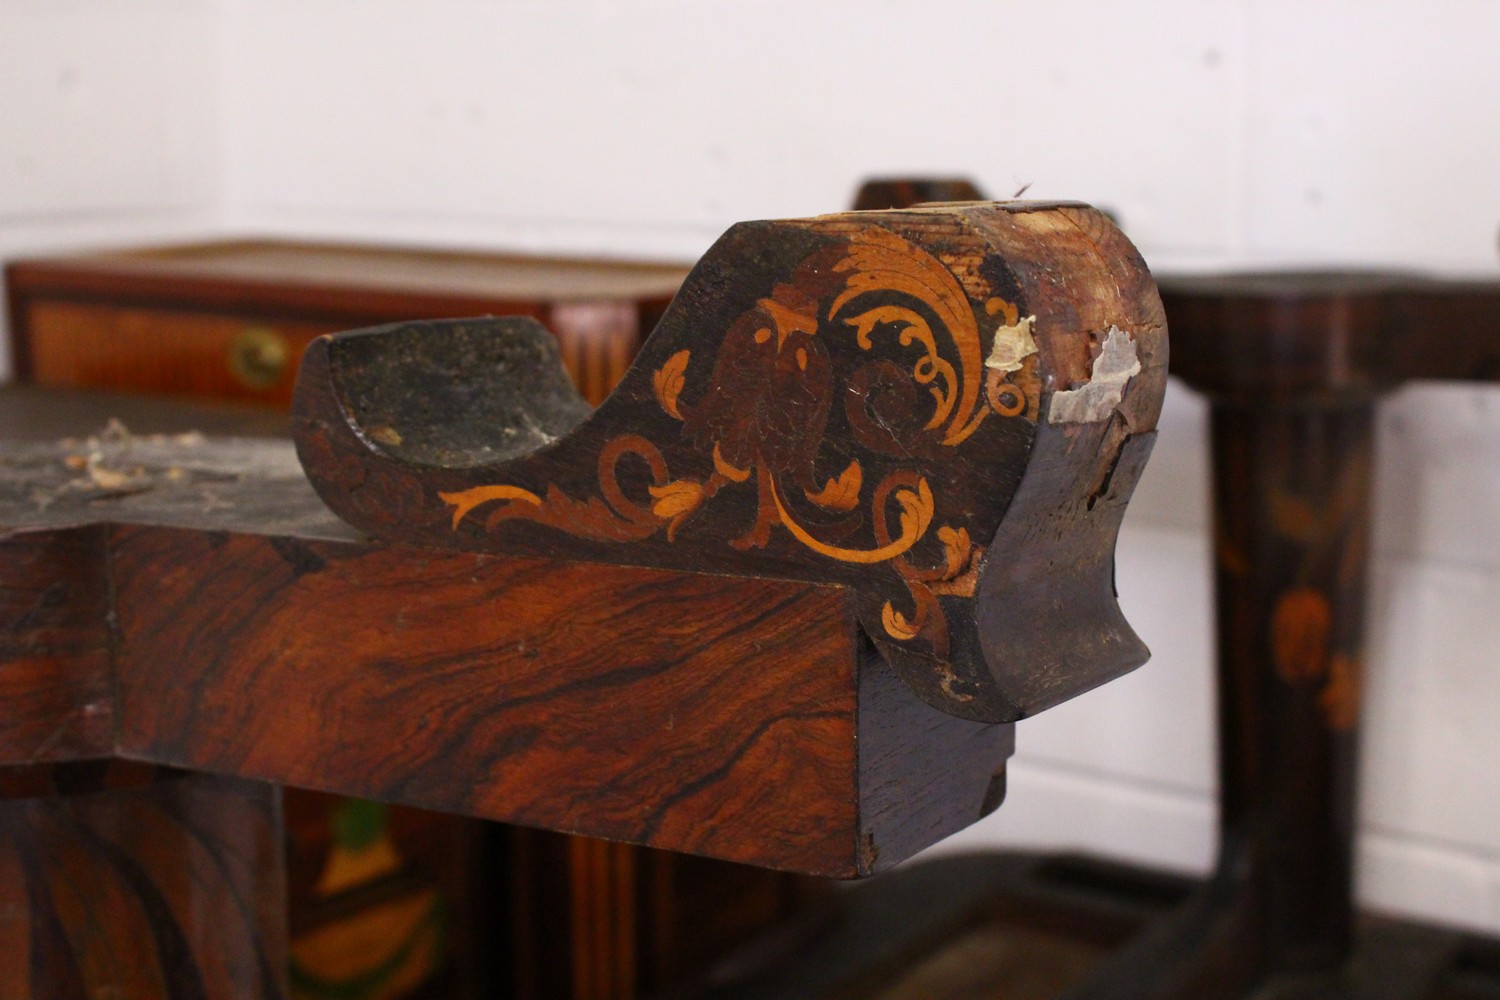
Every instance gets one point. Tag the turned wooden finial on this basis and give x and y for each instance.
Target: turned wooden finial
(943, 409)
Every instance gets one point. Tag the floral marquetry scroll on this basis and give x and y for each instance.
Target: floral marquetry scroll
(943, 410)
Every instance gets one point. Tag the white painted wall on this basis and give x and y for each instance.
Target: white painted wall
(109, 126)
(1223, 132)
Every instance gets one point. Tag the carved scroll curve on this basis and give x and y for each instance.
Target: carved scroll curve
(854, 399)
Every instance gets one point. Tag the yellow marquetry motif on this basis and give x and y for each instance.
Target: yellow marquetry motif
(882, 261)
(922, 305)
(841, 493)
(674, 501)
(1006, 309)
(928, 368)
(896, 625)
(916, 515)
(788, 320)
(669, 380)
(674, 498)
(728, 471)
(956, 549)
(466, 500)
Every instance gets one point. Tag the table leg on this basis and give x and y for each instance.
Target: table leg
(1292, 488)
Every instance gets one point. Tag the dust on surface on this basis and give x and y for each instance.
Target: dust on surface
(187, 479)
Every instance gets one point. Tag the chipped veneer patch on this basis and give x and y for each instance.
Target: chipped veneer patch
(1097, 398)
(1013, 345)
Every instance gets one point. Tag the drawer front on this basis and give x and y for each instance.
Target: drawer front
(166, 352)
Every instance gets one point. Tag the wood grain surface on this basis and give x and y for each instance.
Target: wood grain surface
(248, 632)
(575, 697)
(55, 666)
(172, 888)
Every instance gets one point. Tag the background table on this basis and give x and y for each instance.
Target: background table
(228, 320)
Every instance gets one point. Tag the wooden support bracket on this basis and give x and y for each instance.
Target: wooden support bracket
(944, 410)
(777, 600)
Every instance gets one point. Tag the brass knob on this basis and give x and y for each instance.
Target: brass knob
(258, 357)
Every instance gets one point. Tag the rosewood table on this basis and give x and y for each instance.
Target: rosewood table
(779, 600)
